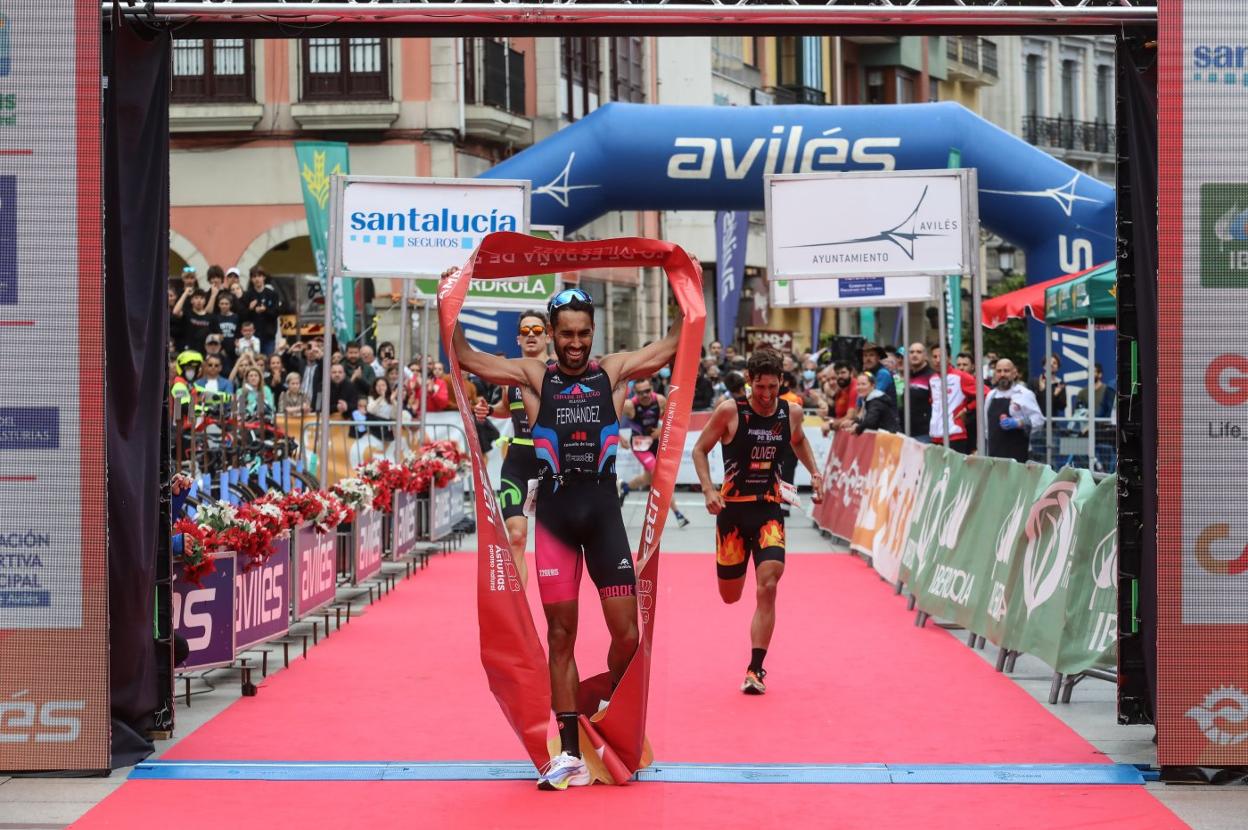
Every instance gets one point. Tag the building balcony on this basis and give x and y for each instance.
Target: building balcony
(1096, 137)
(789, 94)
(972, 60)
(214, 117)
(494, 87)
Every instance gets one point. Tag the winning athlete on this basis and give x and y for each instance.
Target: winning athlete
(644, 412)
(749, 521)
(520, 465)
(574, 408)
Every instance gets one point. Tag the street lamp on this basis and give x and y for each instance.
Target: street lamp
(1005, 258)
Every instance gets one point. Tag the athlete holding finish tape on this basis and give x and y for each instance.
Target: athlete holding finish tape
(574, 408)
(749, 521)
(520, 465)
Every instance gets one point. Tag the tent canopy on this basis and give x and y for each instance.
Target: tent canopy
(1030, 299)
(1091, 295)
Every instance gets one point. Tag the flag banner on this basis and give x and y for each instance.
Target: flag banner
(873, 510)
(1036, 593)
(318, 162)
(732, 231)
(511, 653)
(1090, 635)
(886, 555)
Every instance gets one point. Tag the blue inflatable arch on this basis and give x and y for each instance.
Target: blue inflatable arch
(648, 157)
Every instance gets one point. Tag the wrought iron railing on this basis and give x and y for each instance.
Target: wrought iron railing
(1068, 134)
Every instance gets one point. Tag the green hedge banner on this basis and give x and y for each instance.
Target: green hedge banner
(1019, 554)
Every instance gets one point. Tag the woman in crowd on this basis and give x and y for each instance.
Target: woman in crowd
(254, 399)
(380, 407)
(276, 376)
(875, 410)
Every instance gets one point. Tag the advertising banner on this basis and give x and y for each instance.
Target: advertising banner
(1202, 567)
(1036, 593)
(319, 162)
(1090, 636)
(366, 539)
(779, 339)
(408, 226)
(851, 291)
(873, 512)
(957, 565)
(203, 615)
(926, 514)
(262, 599)
(869, 224)
(844, 477)
(732, 229)
(404, 536)
(446, 508)
(54, 638)
(890, 542)
(315, 572)
(1025, 483)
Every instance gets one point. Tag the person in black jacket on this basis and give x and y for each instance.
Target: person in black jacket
(262, 305)
(875, 409)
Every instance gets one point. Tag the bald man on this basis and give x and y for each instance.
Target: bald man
(1013, 414)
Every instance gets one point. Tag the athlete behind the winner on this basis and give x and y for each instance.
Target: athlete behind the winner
(574, 408)
(643, 413)
(748, 518)
(520, 463)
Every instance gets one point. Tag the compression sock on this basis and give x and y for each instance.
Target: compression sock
(569, 733)
(756, 659)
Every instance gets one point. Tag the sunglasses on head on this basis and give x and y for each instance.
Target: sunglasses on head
(534, 329)
(569, 296)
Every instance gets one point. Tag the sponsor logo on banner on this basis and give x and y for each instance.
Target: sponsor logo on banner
(1009, 530)
(1213, 564)
(26, 719)
(21, 569)
(436, 229)
(1222, 716)
(904, 236)
(1226, 381)
(30, 428)
(262, 599)
(954, 516)
(1223, 235)
(784, 151)
(1220, 64)
(1050, 532)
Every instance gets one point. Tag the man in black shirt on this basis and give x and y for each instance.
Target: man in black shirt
(919, 394)
(261, 305)
(342, 392)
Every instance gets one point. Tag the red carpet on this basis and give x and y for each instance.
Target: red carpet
(851, 681)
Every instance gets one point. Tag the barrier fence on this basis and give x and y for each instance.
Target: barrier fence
(1017, 554)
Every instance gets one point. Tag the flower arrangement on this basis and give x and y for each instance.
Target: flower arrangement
(356, 492)
(251, 529)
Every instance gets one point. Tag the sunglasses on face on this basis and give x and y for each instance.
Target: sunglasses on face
(534, 330)
(568, 296)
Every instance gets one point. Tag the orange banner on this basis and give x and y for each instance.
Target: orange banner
(513, 657)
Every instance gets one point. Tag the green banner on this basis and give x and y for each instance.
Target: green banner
(1090, 635)
(940, 475)
(520, 293)
(1037, 593)
(953, 287)
(318, 161)
(1022, 485)
(956, 584)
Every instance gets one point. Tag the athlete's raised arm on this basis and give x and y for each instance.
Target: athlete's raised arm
(520, 371)
(805, 454)
(716, 430)
(622, 367)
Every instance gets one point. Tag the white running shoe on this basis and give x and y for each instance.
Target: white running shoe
(563, 771)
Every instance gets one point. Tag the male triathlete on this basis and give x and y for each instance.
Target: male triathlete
(520, 465)
(749, 522)
(644, 413)
(574, 409)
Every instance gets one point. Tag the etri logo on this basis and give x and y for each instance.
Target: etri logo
(1224, 235)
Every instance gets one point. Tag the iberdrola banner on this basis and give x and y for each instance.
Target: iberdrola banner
(881, 478)
(511, 653)
(318, 162)
(1090, 634)
(886, 553)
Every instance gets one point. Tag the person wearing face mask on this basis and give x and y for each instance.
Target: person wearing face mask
(183, 390)
(1013, 414)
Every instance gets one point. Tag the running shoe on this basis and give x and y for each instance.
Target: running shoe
(753, 683)
(623, 492)
(681, 520)
(563, 771)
